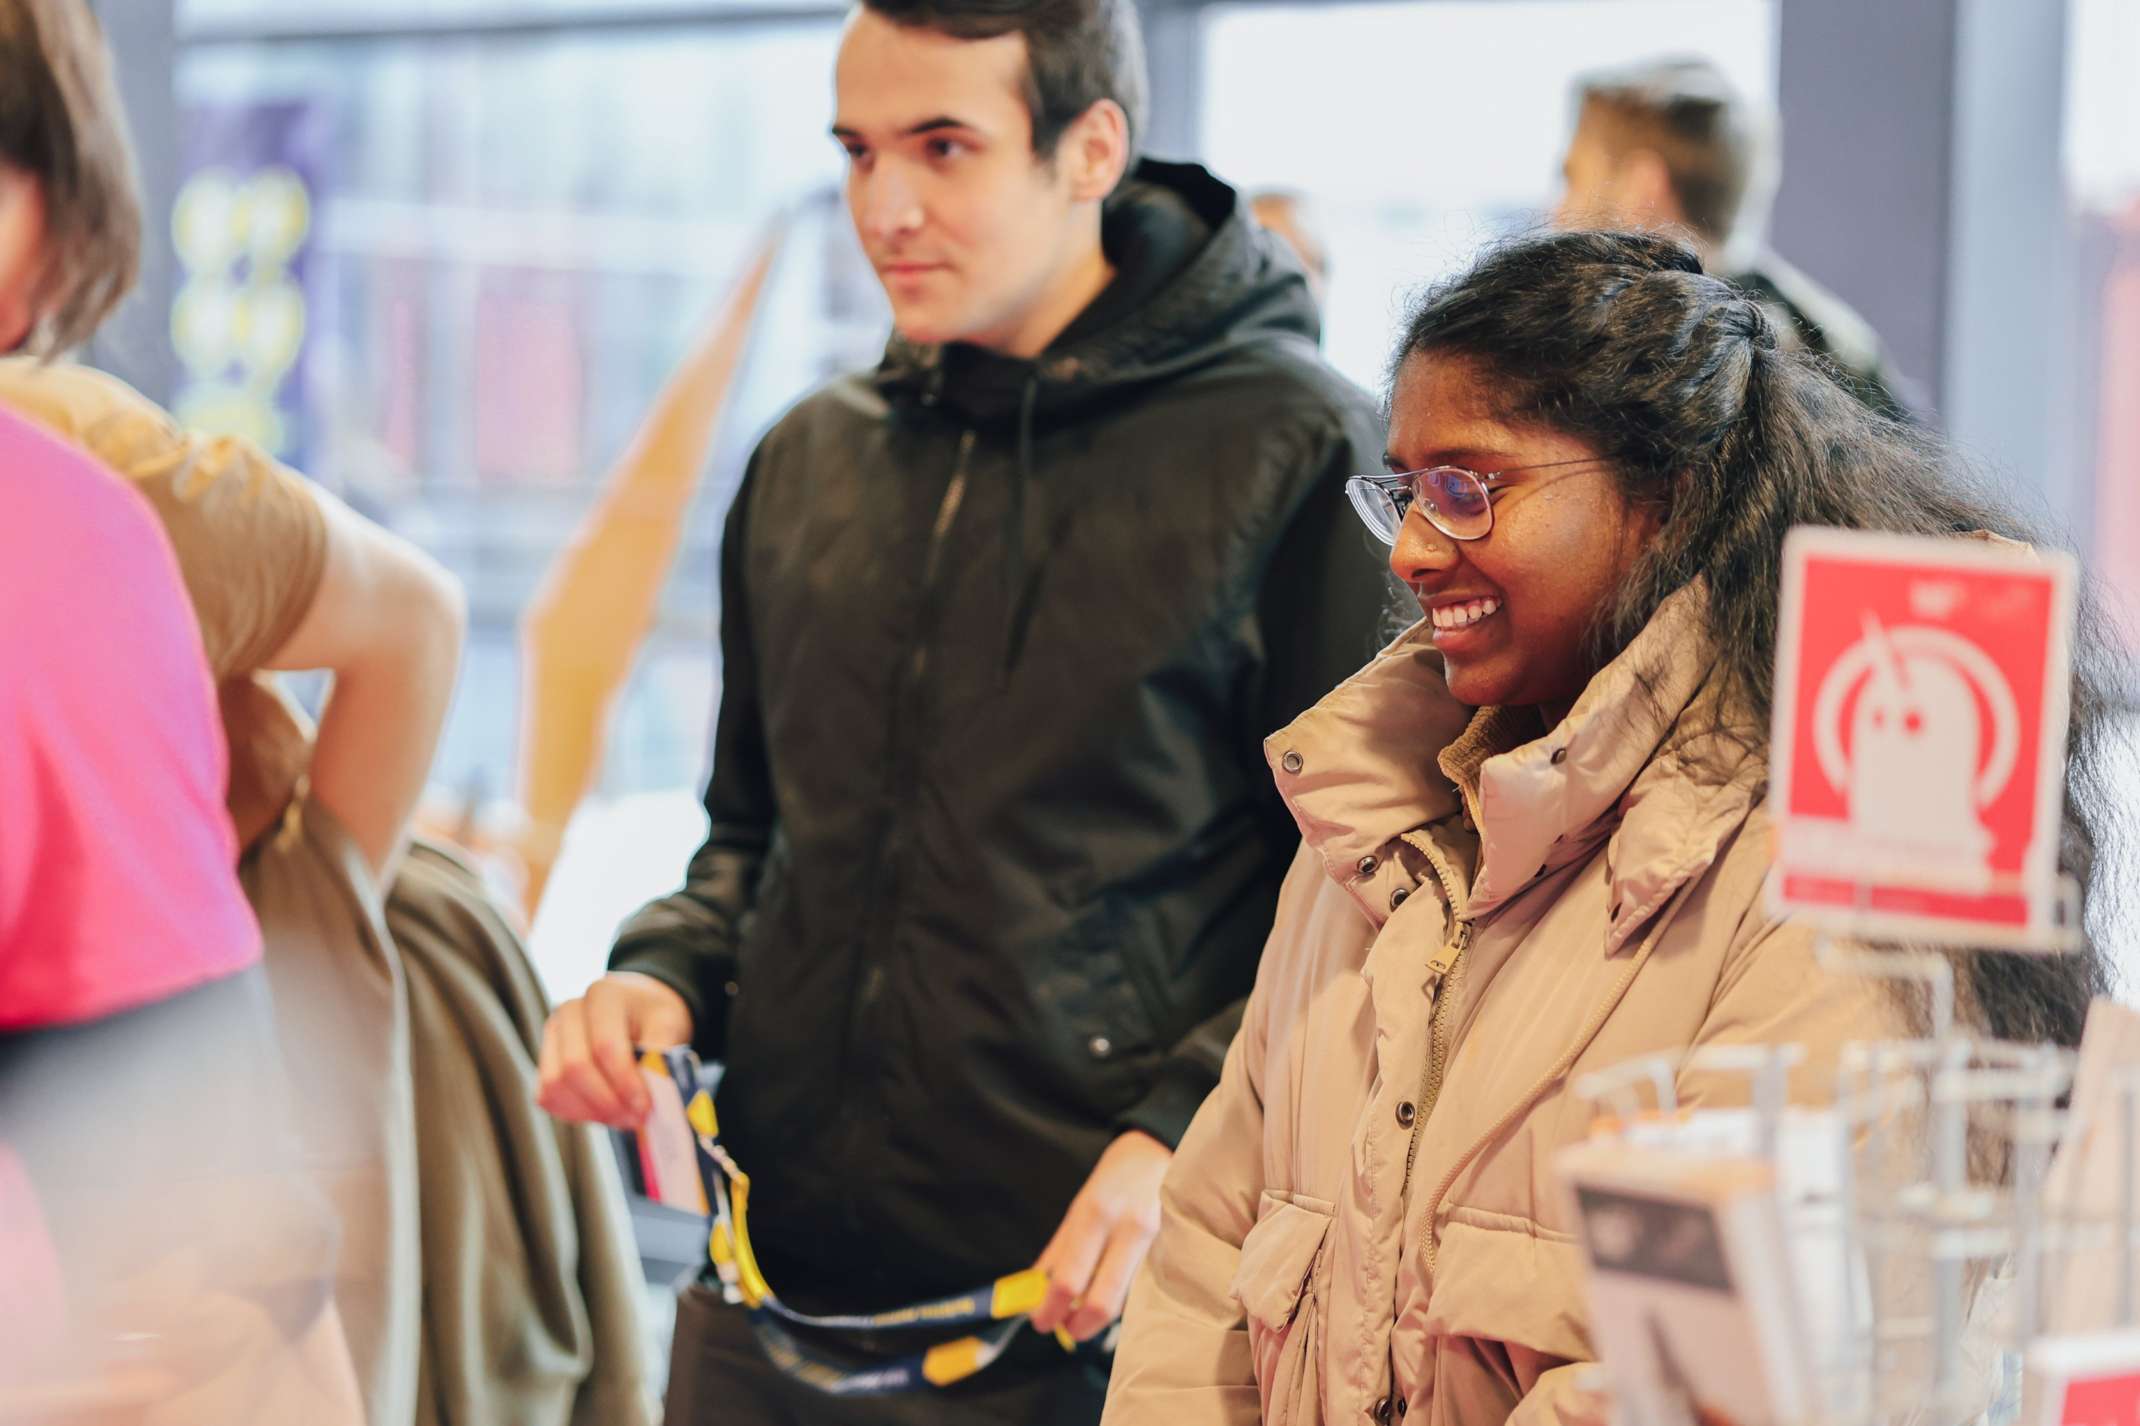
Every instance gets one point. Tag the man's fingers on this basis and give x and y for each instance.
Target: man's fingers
(609, 1044)
(581, 1076)
(563, 1103)
(1109, 1289)
(554, 1093)
(546, 1072)
(1069, 1261)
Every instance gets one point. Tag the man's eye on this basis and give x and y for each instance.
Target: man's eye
(945, 148)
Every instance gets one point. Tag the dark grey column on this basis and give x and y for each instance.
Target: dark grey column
(1923, 181)
(136, 344)
(2011, 343)
(1867, 98)
(1174, 57)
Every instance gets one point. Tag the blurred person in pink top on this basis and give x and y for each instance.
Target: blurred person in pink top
(116, 888)
(401, 992)
(159, 1260)
(160, 1255)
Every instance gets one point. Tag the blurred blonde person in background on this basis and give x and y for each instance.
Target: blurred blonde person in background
(1672, 144)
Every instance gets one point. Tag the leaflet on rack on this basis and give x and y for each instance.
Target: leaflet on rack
(1693, 1302)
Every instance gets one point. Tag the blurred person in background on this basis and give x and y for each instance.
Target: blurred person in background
(1293, 218)
(406, 1005)
(1671, 143)
(164, 1257)
(992, 852)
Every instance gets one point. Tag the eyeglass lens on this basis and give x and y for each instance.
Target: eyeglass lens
(1453, 498)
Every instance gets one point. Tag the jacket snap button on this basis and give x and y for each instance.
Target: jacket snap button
(1383, 1410)
(1368, 865)
(1291, 762)
(1397, 897)
(1100, 1046)
(1560, 755)
(1406, 1113)
(1402, 1407)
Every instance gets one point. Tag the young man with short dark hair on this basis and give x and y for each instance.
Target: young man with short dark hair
(994, 847)
(1671, 143)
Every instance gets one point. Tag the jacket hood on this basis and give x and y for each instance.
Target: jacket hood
(1195, 274)
(1643, 762)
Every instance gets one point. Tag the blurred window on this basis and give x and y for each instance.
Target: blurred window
(445, 276)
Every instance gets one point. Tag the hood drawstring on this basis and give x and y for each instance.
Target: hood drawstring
(1019, 598)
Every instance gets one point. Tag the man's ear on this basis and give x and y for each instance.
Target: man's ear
(1094, 151)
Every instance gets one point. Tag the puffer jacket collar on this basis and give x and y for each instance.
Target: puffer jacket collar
(1643, 762)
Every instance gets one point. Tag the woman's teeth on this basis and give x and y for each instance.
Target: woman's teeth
(1462, 616)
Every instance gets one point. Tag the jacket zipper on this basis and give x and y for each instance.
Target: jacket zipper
(1440, 965)
(902, 745)
(947, 514)
(1451, 972)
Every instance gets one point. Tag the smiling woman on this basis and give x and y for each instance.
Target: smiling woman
(1511, 606)
(1554, 783)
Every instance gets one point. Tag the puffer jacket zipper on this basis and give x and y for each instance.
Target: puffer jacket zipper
(1449, 970)
(1442, 968)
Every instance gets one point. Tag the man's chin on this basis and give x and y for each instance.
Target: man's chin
(926, 326)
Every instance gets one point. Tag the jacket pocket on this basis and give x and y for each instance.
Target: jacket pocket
(1279, 1286)
(1099, 1043)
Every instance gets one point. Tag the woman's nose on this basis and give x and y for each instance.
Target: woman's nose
(1421, 550)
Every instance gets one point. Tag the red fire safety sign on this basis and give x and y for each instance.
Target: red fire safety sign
(1918, 753)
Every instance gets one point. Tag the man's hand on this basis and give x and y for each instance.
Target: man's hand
(1103, 1238)
(590, 1072)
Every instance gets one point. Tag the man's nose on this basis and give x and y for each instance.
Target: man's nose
(891, 205)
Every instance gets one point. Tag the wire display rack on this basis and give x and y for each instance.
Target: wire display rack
(1934, 1235)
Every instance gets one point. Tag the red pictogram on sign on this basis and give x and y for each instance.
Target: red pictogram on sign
(1919, 740)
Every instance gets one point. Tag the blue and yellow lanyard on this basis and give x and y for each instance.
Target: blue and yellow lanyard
(1004, 1303)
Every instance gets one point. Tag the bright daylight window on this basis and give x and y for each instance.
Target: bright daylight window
(2103, 187)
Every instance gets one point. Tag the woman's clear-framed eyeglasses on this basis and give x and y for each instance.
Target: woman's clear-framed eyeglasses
(1458, 502)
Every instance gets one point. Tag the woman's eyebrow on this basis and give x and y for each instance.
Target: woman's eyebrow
(1480, 459)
